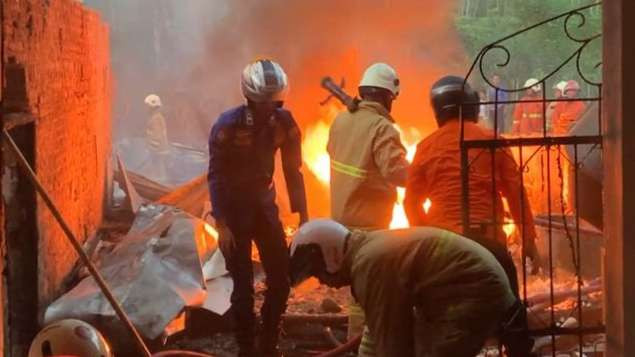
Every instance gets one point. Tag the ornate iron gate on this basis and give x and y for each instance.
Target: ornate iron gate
(551, 165)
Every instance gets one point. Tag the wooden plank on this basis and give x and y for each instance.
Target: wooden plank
(12, 120)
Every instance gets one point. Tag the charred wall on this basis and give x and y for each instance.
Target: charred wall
(64, 50)
(619, 173)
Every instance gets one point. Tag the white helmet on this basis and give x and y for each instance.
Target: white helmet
(264, 81)
(153, 101)
(322, 239)
(69, 337)
(533, 84)
(381, 75)
(560, 86)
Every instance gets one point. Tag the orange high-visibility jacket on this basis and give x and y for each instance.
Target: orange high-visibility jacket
(565, 114)
(368, 162)
(528, 117)
(435, 173)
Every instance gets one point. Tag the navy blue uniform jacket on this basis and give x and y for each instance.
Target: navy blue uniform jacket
(242, 161)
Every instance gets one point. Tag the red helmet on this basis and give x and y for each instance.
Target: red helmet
(571, 85)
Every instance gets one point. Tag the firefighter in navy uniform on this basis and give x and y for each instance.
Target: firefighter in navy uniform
(242, 145)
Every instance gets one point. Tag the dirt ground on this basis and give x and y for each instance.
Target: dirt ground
(298, 339)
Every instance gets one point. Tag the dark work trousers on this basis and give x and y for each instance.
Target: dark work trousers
(266, 231)
(515, 336)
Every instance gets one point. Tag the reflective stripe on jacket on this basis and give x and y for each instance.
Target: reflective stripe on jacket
(368, 162)
(528, 117)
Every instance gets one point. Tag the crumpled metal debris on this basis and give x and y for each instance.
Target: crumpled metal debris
(154, 272)
(182, 163)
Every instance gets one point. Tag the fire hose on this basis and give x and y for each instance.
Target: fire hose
(103, 286)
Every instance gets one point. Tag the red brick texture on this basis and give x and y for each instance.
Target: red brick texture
(64, 49)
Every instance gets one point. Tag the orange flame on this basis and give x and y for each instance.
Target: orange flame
(317, 159)
(509, 227)
(314, 151)
(211, 231)
(426, 205)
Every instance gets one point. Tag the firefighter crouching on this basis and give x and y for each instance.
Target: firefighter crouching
(368, 162)
(242, 145)
(425, 291)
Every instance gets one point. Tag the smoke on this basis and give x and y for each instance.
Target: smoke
(191, 53)
(313, 38)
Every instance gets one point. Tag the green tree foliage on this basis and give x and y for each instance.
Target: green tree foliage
(535, 53)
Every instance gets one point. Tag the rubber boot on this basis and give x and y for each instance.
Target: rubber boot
(245, 332)
(268, 343)
(246, 343)
(270, 331)
(515, 336)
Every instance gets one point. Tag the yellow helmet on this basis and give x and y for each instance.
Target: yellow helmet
(70, 337)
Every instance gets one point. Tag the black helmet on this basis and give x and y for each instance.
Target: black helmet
(448, 94)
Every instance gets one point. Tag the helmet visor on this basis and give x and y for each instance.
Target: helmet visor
(306, 262)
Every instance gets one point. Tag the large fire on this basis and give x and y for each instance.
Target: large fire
(317, 159)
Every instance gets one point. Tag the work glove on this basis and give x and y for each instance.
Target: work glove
(226, 241)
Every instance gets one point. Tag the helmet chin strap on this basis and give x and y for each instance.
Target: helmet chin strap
(346, 241)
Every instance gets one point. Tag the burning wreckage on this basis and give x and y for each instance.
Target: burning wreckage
(170, 278)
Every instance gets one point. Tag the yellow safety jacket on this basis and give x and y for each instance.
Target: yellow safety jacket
(156, 133)
(368, 162)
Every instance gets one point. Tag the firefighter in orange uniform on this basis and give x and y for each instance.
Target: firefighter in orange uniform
(558, 93)
(435, 173)
(567, 113)
(528, 117)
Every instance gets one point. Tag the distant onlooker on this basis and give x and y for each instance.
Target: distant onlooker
(497, 112)
(483, 119)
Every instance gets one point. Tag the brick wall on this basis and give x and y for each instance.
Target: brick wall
(64, 49)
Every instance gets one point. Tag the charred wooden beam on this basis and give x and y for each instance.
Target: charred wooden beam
(13, 120)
